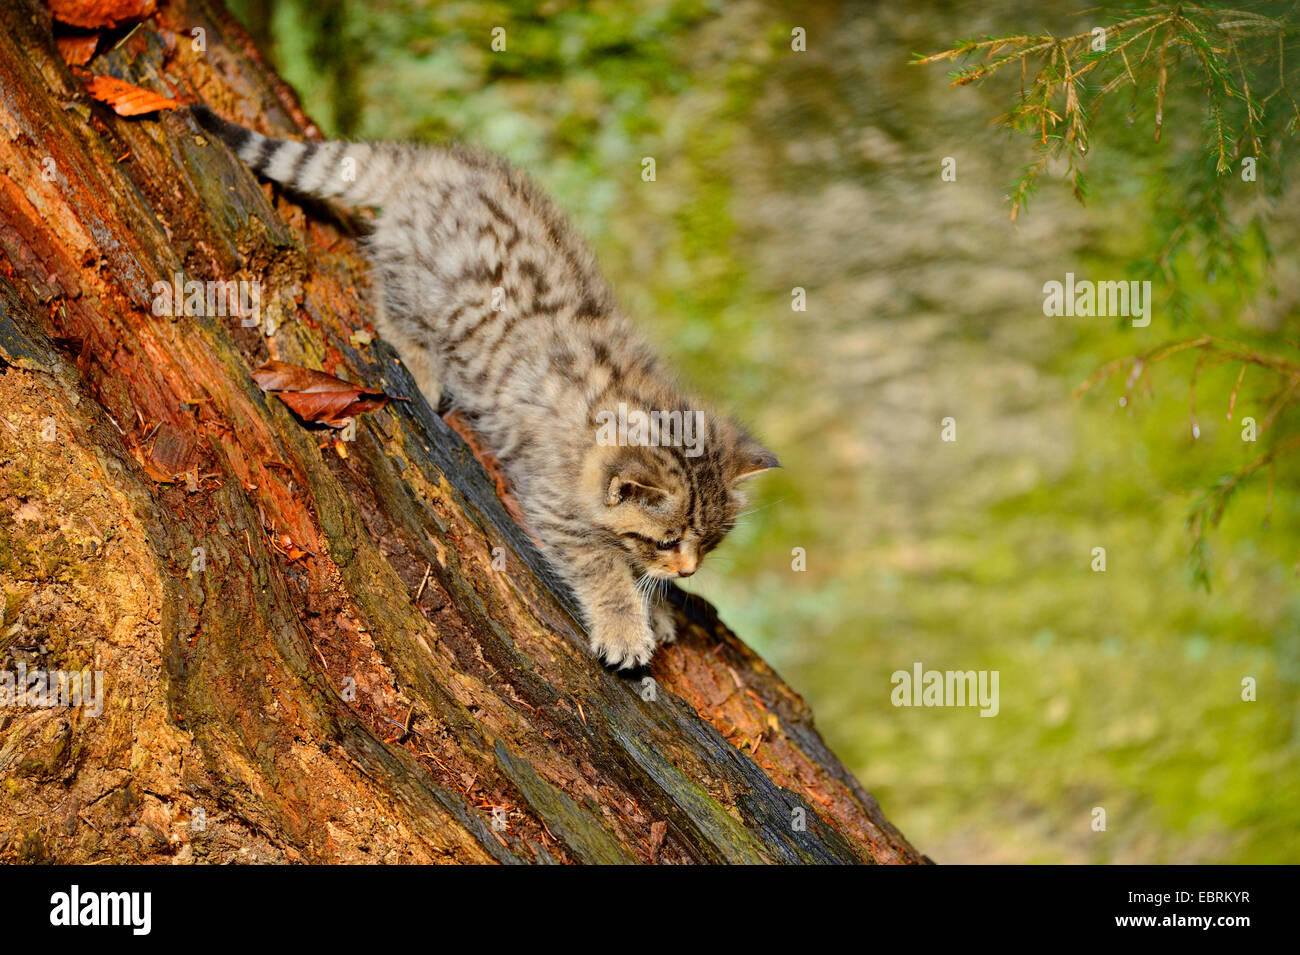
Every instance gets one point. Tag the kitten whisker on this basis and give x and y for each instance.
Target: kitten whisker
(755, 510)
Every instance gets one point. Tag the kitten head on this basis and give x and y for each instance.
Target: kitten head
(668, 508)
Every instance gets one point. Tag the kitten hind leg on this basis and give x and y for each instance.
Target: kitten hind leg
(418, 352)
(421, 359)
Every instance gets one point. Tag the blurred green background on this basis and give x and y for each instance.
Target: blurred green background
(821, 170)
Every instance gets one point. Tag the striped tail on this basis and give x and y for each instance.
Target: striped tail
(357, 173)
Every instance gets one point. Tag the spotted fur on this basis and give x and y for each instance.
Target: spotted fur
(487, 292)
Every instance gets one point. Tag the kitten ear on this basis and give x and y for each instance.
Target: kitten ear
(623, 488)
(752, 458)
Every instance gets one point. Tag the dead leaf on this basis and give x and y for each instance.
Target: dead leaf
(171, 449)
(128, 100)
(94, 14)
(316, 396)
(154, 472)
(77, 50)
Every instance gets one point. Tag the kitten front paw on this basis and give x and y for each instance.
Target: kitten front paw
(664, 623)
(623, 644)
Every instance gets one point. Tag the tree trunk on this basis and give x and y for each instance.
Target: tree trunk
(306, 657)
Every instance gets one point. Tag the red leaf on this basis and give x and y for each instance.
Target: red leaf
(128, 100)
(282, 376)
(77, 50)
(94, 14)
(316, 396)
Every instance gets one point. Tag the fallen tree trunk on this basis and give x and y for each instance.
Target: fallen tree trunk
(306, 657)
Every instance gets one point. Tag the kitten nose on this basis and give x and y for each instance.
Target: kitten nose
(686, 563)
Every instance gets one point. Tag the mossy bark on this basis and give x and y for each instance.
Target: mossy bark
(391, 694)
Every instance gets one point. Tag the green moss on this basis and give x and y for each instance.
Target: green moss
(14, 599)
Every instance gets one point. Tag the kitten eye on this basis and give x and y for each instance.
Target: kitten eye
(668, 544)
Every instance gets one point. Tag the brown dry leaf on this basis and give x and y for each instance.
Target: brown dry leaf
(171, 450)
(77, 50)
(155, 473)
(128, 100)
(94, 14)
(316, 396)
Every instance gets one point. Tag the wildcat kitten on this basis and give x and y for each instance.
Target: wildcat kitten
(485, 290)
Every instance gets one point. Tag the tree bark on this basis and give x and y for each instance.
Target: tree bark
(386, 695)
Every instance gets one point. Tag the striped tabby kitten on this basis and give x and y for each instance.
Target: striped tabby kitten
(485, 291)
